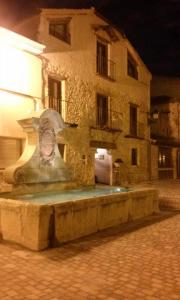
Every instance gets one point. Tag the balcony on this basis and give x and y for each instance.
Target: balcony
(111, 124)
(106, 67)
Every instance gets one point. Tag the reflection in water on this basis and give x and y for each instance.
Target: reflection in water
(70, 195)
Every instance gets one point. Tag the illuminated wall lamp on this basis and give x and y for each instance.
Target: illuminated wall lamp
(153, 116)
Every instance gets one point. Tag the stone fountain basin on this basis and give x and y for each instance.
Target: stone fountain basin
(38, 225)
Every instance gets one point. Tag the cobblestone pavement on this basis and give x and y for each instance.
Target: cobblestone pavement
(139, 260)
(169, 192)
(169, 187)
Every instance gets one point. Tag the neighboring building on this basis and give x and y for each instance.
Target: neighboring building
(165, 130)
(20, 90)
(96, 80)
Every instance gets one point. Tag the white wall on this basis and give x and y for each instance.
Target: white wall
(20, 79)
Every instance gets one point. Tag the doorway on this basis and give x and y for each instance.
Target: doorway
(103, 166)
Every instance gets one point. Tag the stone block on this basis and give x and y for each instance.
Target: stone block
(144, 203)
(39, 226)
(75, 219)
(113, 210)
(26, 224)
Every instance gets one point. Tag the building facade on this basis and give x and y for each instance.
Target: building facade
(165, 130)
(20, 91)
(96, 80)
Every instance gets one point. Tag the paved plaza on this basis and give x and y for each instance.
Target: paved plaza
(139, 260)
(169, 192)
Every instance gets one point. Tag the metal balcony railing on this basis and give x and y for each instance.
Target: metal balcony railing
(106, 67)
(55, 104)
(111, 122)
(115, 120)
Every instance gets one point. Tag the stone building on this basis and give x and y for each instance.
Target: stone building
(165, 130)
(96, 80)
(20, 90)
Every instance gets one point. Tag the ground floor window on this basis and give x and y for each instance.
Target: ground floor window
(134, 157)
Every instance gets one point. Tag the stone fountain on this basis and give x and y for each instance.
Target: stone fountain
(38, 214)
(41, 166)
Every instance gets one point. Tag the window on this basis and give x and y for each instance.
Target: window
(102, 111)
(54, 93)
(132, 67)
(60, 30)
(102, 58)
(133, 120)
(134, 157)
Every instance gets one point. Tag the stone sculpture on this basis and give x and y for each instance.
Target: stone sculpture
(41, 161)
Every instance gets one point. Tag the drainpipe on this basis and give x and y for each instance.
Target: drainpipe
(178, 122)
(150, 161)
(44, 73)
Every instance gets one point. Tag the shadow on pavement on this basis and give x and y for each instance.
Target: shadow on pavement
(89, 243)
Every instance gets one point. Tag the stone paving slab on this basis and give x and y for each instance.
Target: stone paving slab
(139, 260)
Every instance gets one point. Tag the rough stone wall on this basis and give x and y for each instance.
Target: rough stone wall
(76, 65)
(154, 162)
(79, 156)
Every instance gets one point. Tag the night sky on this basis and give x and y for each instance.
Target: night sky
(152, 26)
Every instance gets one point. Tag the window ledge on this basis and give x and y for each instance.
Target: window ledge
(129, 76)
(165, 169)
(106, 128)
(66, 42)
(106, 77)
(134, 137)
(72, 125)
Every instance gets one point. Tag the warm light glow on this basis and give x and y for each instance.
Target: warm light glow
(19, 71)
(20, 81)
(13, 108)
(10, 38)
(37, 105)
(100, 153)
(12, 63)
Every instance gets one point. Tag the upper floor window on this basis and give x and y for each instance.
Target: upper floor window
(133, 120)
(132, 67)
(54, 93)
(102, 58)
(60, 30)
(102, 111)
(104, 66)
